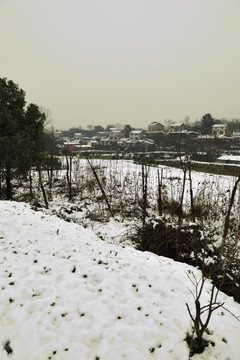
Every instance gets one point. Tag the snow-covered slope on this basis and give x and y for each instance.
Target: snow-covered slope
(65, 294)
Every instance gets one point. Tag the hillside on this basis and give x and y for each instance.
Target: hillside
(66, 295)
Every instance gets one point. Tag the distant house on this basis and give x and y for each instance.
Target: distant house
(140, 145)
(71, 146)
(136, 135)
(105, 142)
(147, 144)
(116, 135)
(58, 134)
(123, 141)
(155, 126)
(78, 135)
(86, 146)
(221, 130)
(102, 134)
(178, 127)
(92, 143)
(236, 133)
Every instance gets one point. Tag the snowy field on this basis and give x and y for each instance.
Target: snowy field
(67, 295)
(122, 181)
(125, 176)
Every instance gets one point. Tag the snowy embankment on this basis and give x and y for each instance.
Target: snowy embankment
(66, 294)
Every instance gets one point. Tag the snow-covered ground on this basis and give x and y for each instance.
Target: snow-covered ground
(122, 181)
(68, 295)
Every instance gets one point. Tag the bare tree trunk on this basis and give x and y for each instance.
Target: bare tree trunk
(184, 182)
(199, 324)
(50, 176)
(191, 190)
(8, 183)
(69, 175)
(182, 195)
(42, 186)
(30, 183)
(0, 183)
(227, 218)
(144, 191)
(160, 192)
(101, 188)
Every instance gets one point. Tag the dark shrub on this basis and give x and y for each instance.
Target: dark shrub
(173, 241)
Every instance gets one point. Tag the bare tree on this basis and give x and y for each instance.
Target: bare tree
(160, 180)
(203, 313)
(51, 149)
(191, 189)
(42, 186)
(227, 218)
(144, 191)
(30, 183)
(100, 186)
(68, 157)
(182, 194)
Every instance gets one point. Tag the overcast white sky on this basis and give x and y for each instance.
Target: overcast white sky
(100, 62)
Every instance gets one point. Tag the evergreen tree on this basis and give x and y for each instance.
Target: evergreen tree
(207, 123)
(127, 129)
(21, 133)
(33, 133)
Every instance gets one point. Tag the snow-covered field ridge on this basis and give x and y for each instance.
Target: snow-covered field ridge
(67, 295)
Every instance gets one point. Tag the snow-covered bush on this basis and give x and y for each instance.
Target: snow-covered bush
(179, 242)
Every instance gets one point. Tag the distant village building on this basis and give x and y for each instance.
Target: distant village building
(140, 145)
(103, 134)
(116, 135)
(178, 127)
(78, 135)
(105, 142)
(58, 134)
(147, 144)
(136, 135)
(92, 143)
(107, 138)
(123, 141)
(155, 126)
(236, 133)
(71, 146)
(221, 130)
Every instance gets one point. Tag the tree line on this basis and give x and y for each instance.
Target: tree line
(22, 136)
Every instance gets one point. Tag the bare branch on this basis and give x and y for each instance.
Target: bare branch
(230, 312)
(189, 311)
